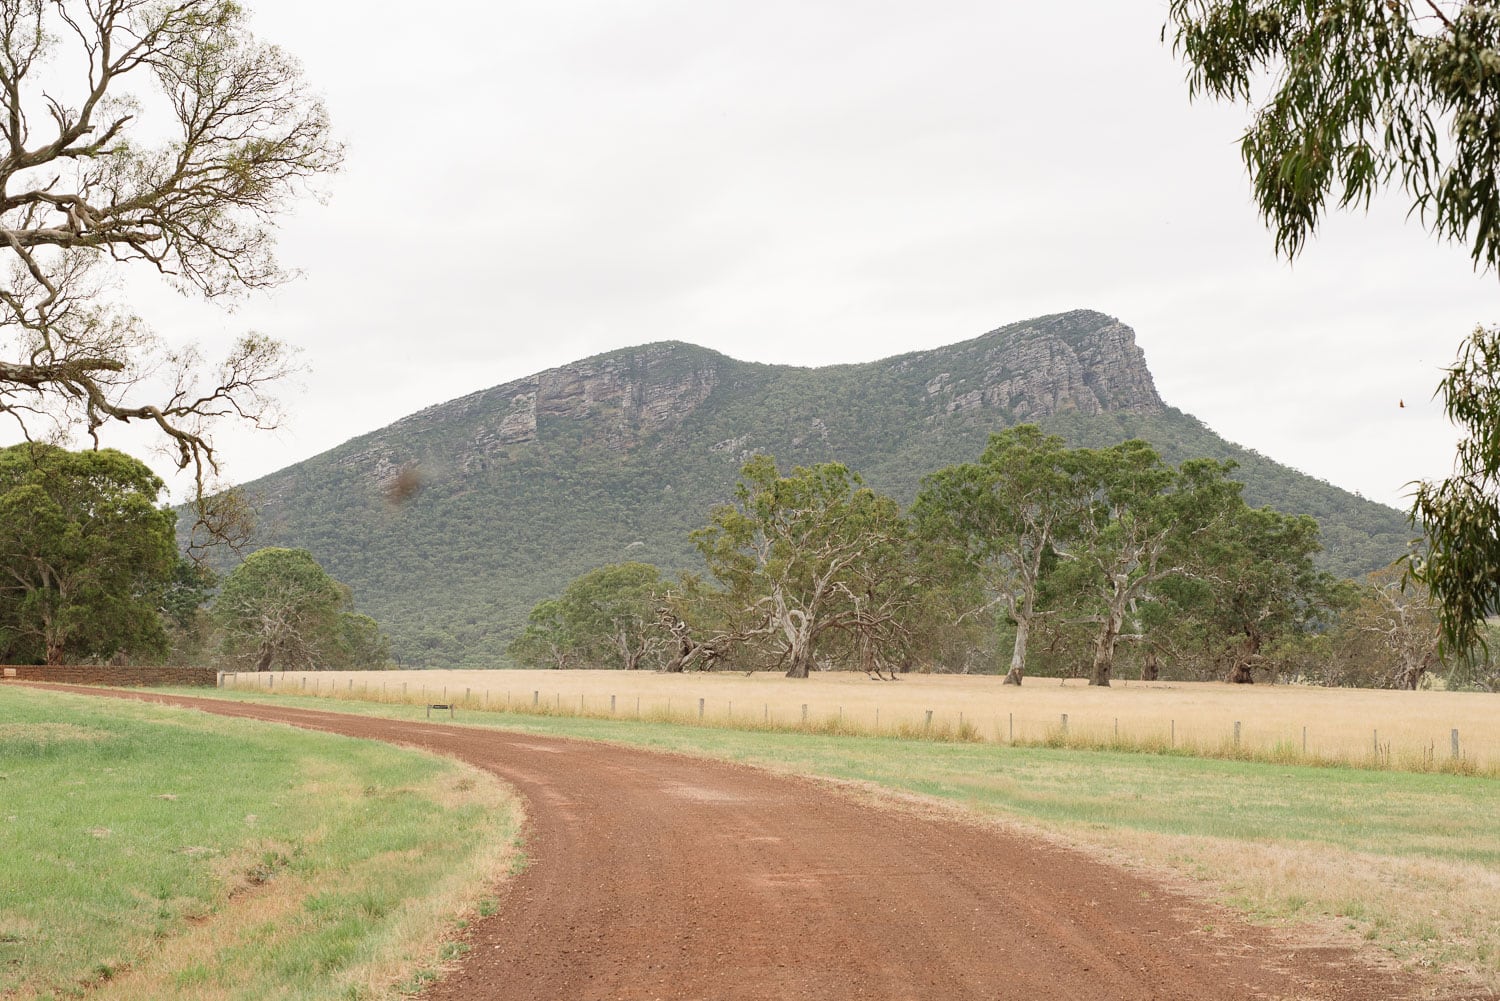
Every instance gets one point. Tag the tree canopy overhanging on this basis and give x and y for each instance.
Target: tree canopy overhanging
(1360, 97)
(160, 135)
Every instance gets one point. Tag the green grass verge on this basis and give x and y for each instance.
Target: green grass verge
(254, 861)
(1408, 860)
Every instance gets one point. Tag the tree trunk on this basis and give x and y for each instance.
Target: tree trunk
(267, 655)
(1243, 671)
(1150, 668)
(1018, 651)
(54, 654)
(799, 644)
(1104, 651)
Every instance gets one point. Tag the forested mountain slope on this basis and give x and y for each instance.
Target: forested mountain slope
(452, 523)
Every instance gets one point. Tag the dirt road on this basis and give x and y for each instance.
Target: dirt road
(654, 876)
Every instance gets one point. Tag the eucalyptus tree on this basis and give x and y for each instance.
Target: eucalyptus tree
(1259, 583)
(280, 606)
(1361, 97)
(809, 554)
(1143, 524)
(1398, 624)
(155, 135)
(86, 555)
(610, 615)
(546, 641)
(1003, 515)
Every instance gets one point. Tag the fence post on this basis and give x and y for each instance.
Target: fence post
(804, 714)
(1454, 738)
(611, 705)
(1012, 728)
(928, 724)
(1065, 724)
(700, 708)
(1236, 733)
(536, 697)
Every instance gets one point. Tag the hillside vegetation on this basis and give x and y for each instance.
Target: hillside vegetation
(451, 524)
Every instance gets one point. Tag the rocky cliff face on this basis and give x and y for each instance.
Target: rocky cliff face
(1080, 362)
(625, 397)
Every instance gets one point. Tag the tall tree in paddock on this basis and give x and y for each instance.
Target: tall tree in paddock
(1003, 515)
(1259, 583)
(611, 614)
(280, 607)
(156, 134)
(810, 553)
(1143, 523)
(1394, 622)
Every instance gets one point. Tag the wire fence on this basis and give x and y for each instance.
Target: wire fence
(1195, 733)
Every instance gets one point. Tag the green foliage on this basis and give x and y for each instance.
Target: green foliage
(605, 618)
(1363, 96)
(820, 556)
(188, 624)
(1384, 635)
(280, 607)
(86, 556)
(1460, 564)
(1002, 516)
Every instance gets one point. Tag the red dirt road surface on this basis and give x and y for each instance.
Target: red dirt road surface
(654, 876)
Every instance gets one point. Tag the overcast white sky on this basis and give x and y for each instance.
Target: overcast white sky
(819, 181)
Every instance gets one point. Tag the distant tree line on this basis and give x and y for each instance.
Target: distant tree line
(1035, 558)
(90, 571)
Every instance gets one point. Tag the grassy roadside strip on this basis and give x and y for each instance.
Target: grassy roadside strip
(1408, 861)
(157, 853)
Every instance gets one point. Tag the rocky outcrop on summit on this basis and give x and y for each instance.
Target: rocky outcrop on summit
(1080, 362)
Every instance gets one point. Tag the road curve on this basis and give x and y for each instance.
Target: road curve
(657, 876)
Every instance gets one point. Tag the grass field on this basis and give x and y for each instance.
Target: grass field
(1293, 724)
(224, 859)
(1408, 861)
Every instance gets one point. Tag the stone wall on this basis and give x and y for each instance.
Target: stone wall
(119, 677)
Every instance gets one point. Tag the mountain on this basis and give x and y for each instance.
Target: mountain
(450, 524)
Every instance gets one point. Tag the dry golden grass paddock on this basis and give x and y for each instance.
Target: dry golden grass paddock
(1400, 729)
